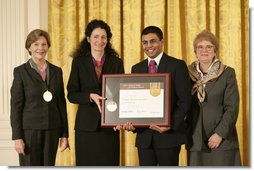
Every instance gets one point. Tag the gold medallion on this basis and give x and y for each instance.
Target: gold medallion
(155, 89)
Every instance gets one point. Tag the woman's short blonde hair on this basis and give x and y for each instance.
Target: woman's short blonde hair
(208, 36)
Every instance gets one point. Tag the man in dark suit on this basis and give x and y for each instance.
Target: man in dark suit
(161, 145)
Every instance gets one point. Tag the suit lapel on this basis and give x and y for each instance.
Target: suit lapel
(209, 86)
(52, 72)
(107, 66)
(144, 67)
(163, 64)
(32, 72)
(88, 63)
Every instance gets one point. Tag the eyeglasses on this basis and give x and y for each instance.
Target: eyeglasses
(152, 41)
(208, 48)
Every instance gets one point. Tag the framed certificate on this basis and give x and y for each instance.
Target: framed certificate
(142, 99)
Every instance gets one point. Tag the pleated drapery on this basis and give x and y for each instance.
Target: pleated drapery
(180, 22)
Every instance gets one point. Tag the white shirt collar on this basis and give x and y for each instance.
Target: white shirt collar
(157, 59)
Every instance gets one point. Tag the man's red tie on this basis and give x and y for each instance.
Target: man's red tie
(152, 66)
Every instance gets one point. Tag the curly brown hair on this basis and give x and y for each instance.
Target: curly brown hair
(84, 48)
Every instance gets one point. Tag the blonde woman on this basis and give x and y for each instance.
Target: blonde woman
(212, 134)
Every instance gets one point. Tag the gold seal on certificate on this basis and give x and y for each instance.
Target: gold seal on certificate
(111, 106)
(47, 96)
(155, 89)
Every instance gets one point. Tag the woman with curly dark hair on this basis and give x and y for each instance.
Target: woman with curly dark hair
(95, 146)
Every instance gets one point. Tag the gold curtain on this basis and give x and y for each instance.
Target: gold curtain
(180, 21)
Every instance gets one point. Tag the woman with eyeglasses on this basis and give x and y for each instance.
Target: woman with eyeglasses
(212, 136)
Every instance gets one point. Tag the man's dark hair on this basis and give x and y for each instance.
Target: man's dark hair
(153, 29)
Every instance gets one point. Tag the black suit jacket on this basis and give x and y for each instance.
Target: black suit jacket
(82, 82)
(28, 108)
(180, 103)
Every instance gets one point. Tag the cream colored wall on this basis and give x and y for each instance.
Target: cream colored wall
(17, 19)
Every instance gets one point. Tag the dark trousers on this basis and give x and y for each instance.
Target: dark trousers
(99, 148)
(40, 147)
(159, 156)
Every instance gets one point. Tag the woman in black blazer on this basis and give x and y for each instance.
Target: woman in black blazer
(95, 146)
(38, 106)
